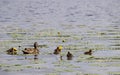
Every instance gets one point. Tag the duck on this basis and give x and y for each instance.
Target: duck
(88, 52)
(69, 56)
(58, 50)
(12, 51)
(31, 50)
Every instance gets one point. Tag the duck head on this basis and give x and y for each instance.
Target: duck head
(90, 50)
(60, 47)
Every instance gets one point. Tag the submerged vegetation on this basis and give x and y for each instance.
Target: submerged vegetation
(71, 42)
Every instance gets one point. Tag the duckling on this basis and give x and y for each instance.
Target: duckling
(32, 50)
(88, 52)
(58, 50)
(69, 56)
(12, 51)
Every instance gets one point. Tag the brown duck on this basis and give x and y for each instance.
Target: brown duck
(58, 50)
(88, 52)
(69, 56)
(12, 51)
(32, 50)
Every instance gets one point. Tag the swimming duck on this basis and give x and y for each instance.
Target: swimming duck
(69, 56)
(88, 52)
(58, 50)
(32, 50)
(12, 51)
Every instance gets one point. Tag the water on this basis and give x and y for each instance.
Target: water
(82, 24)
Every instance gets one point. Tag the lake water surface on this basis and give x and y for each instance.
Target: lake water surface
(77, 25)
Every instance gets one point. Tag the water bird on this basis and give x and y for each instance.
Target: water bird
(12, 51)
(32, 50)
(88, 52)
(69, 56)
(58, 50)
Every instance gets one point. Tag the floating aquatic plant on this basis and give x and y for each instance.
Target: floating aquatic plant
(17, 35)
(114, 73)
(17, 65)
(7, 70)
(52, 74)
(91, 74)
(28, 66)
(68, 70)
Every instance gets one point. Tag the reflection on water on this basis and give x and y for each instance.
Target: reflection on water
(77, 25)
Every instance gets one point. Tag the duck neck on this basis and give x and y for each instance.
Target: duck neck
(35, 47)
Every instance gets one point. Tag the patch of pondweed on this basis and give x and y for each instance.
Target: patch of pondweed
(72, 47)
(102, 33)
(0, 65)
(59, 69)
(28, 66)
(82, 57)
(52, 74)
(4, 65)
(99, 65)
(77, 37)
(5, 43)
(12, 67)
(68, 70)
(58, 64)
(116, 48)
(7, 66)
(114, 73)
(117, 36)
(64, 36)
(41, 46)
(7, 70)
(17, 35)
(39, 61)
(64, 70)
(116, 45)
(17, 65)
(69, 65)
(116, 65)
(15, 41)
(99, 47)
(37, 67)
(91, 74)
